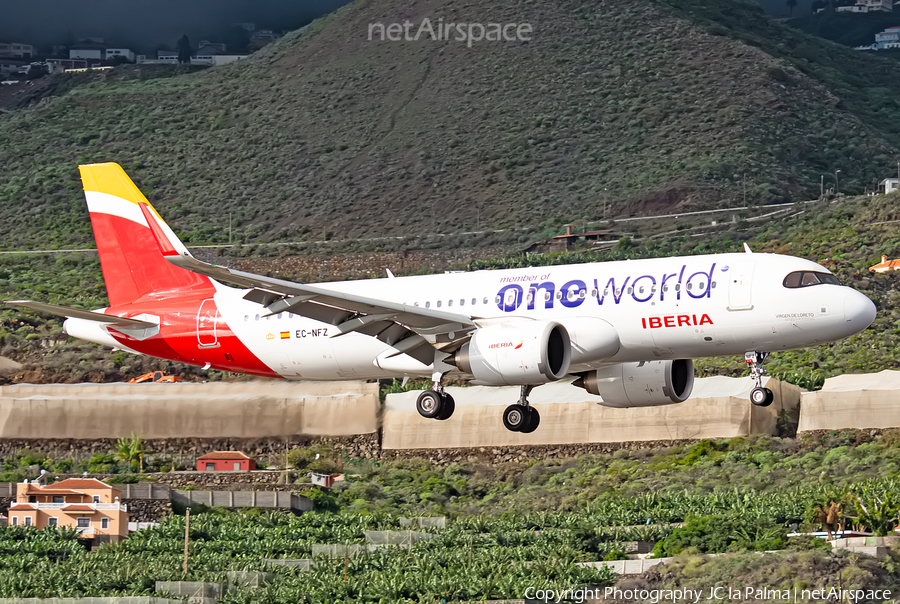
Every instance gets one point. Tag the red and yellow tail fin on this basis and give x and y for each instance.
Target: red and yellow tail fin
(124, 223)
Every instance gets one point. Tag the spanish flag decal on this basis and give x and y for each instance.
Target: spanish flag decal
(285, 335)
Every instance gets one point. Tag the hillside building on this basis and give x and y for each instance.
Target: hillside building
(885, 265)
(225, 461)
(868, 6)
(889, 185)
(124, 53)
(16, 50)
(88, 505)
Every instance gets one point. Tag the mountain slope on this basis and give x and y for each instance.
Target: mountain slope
(649, 104)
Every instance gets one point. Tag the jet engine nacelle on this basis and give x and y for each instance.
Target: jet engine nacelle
(519, 353)
(644, 384)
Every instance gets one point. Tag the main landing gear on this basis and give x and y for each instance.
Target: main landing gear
(435, 404)
(522, 417)
(759, 396)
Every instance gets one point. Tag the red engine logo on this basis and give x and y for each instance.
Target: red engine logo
(507, 345)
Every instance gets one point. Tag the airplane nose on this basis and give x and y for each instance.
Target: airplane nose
(859, 311)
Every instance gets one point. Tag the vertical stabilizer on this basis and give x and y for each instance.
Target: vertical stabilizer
(133, 263)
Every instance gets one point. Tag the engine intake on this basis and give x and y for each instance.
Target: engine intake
(520, 353)
(644, 384)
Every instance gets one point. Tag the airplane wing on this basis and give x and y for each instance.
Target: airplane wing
(410, 330)
(75, 313)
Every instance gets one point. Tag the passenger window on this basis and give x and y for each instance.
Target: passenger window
(246, 318)
(641, 290)
(438, 303)
(485, 300)
(257, 318)
(702, 285)
(678, 287)
(449, 302)
(462, 302)
(665, 288)
(546, 295)
(606, 292)
(428, 305)
(630, 290)
(690, 286)
(582, 293)
(497, 300)
(559, 295)
(279, 315)
(713, 285)
(474, 301)
(415, 304)
(594, 293)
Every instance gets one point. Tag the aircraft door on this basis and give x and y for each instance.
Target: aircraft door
(207, 321)
(740, 285)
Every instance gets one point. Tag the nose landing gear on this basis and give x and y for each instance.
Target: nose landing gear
(759, 396)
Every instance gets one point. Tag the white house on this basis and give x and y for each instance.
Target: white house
(868, 6)
(112, 53)
(167, 56)
(87, 51)
(889, 185)
(16, 50)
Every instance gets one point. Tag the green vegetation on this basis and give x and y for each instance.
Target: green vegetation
(458, 564)
(638, 106)
(514, 525)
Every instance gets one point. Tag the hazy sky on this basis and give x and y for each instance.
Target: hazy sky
(144, 24)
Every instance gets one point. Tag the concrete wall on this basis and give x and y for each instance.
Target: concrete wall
(853, 401)
(249, 409)
(720, 408)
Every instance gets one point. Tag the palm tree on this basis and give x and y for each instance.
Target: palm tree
(131, 449)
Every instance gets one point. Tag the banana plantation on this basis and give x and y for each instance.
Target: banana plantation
(476, 557)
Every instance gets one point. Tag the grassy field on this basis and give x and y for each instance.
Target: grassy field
(645, 105)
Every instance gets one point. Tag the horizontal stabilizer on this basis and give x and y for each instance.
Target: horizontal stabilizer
(74, 313)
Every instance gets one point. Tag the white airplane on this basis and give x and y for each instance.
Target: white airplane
(627, 330)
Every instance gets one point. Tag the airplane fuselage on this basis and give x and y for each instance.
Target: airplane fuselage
(663, 308)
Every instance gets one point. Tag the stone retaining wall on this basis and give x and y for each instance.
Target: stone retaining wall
(185, 451)
(526, 453)
(148, 510)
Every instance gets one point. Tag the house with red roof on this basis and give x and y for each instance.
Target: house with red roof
(90, 506)
(885, 265)
(225, 461)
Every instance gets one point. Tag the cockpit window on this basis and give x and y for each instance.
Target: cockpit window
(808, 278)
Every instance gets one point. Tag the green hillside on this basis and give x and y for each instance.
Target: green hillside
(847, 236)
(644, 105)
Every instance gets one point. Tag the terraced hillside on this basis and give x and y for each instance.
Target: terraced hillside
(641, 105)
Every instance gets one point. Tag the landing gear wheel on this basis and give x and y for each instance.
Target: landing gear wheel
(761, 397)
(429, 404)
(516, 417)
(448, 406)
(534, 420)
